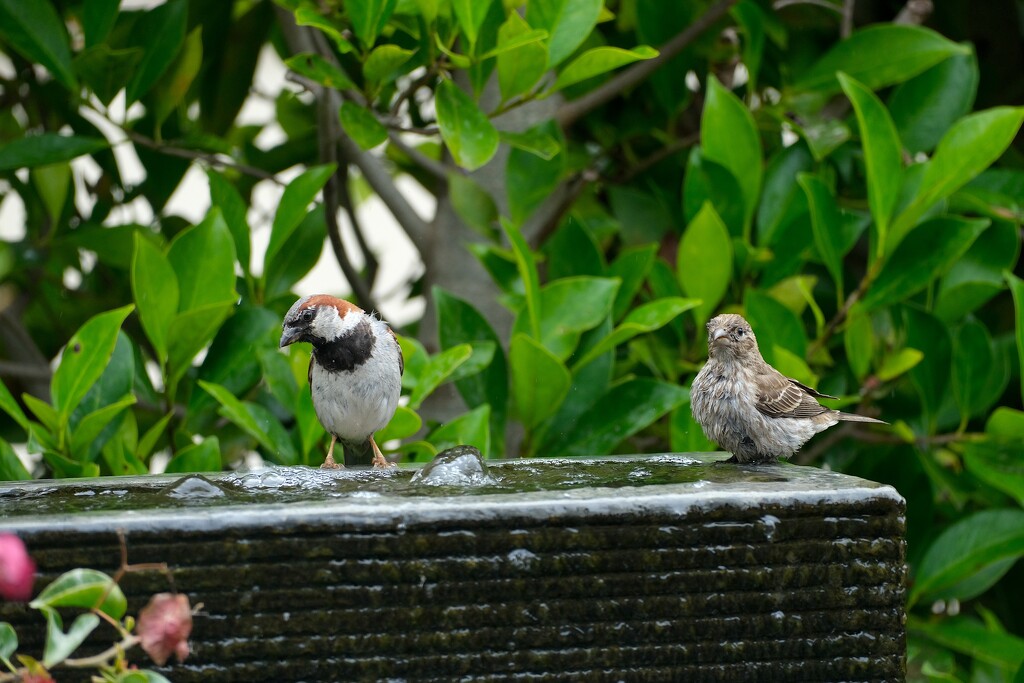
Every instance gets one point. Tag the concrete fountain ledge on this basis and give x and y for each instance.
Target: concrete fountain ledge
(647, 568)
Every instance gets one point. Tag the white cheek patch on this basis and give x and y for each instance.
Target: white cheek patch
(329, 324)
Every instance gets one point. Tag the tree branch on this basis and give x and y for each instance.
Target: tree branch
(571, 111)
(211, 158)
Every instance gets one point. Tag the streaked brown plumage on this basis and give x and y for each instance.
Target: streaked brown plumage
(748, 407)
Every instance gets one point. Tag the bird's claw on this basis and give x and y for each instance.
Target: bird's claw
(329, 463)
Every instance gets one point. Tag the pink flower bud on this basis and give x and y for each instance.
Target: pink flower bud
(164, 626)
(17, 570)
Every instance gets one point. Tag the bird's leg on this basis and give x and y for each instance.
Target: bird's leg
(329, 463)
(379, 462)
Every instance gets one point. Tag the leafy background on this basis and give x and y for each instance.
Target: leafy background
(607, 176)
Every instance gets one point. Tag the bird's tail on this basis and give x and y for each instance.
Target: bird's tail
(851, 417)
(357, 454)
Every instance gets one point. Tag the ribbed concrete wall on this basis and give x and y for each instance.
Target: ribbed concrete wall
(785, 576)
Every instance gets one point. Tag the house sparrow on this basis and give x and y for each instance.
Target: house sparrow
(748, 407)
(355, 373)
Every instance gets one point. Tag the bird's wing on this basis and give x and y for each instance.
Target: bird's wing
(401, 358)
(309, 375)
(780, 396)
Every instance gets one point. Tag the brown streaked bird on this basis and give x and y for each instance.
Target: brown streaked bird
(355, 373)
(748, 407)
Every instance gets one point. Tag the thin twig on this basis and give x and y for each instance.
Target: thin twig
(371, 264)
(657, 157)
(211, 158)
(432, 166)
(915, 12)
(846, 24)
(574, 109)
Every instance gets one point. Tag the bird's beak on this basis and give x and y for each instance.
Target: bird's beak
(718, 334)
(290, 336)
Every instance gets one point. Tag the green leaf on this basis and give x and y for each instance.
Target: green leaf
(704, 262)
(540, 381)
(438, 369)
(44, 412)
(257, 422)
(369, 17)
(523, 58)
(404, 424)
(568, 307)
(926, 106)
(641, 320)
(882, 154)
(529, 179)
(880, 55)
(707, 181)
(527, 268)
(361, 125)
(155, 288)
(36, 31)
(859, 343)
(84, 588)
(11, 467)
(225, 197)
(307, 15)
(972, 364)
(85, 356)
(997, 462)
(293, 208)
(384, 63)
(1017, 291)
(568, 23)
(203, 259)
(970, 637)
(825, 223)
(728, 136)
(199, 457)
(8, 640)
(775, 325)
(623, 411)
(899, 363)
(98, 17)
(473, 204)
(161, 33)
(471, 15)
(931, 376)
(319, 70)
(597, 61)
(631, 266)
(10, 406)
(90, 426)
(968, 148)
(289, 265)
(966, 548)
(190, 332)
(468, 133)
(923, 256)
(46, 148)
(468, 429)
(685, 435)
(536, 141)
(171, 89)
(60, 645)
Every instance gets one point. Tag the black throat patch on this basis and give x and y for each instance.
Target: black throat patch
(348, 352)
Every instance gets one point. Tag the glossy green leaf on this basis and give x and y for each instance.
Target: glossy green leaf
(46, 148)
(161, 33)
(899, 363)
(931, 376)
(774, 324)
(859, 343)
(61, 645)
(471, 15)
(1017, 291)
(468, 429)
(98, 17)
(978, 275)
(540, 381)
(86, 589)
(203, 259)
(10, 406)
(309, 15)
(291, 263)
(970, 637)
(256, 421)
(527, 267)
(319, 70)
(105, 70)
(8, 640)
(233, 209)
(385, 63)
(751, 20)
(294, 206)
(190, 332)
(704, 262)
(437, 370)
(468, 133)
(631, 266)
(970, 146)
(923, 256)
(36, 31)
(84, 358)
(825, 224)
(972, 364)
(43, 412)
(620, 413)
(530, 180)
(536, 141)
(369, 17)
(926, 106)
(782, 200)
(520, 67)
(728, 136)
(361, 125)
(685, 435)
(882, 154)
(148, 442)
(11, 469)
(473, 204)
(573, 251)
(641, 320)
(966, 548)
(880, 55)
(597, 61)
(708, 181)
(199, 457)
(404, 424)
(155, 288)
(568, 307)
(998, 464)
(170, 90)
(90, 426)
(568, 23)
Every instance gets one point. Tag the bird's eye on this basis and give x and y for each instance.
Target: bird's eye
(307, 315)
(739, 332)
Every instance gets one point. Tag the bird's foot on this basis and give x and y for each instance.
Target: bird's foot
(379, 462)
(329, 463)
